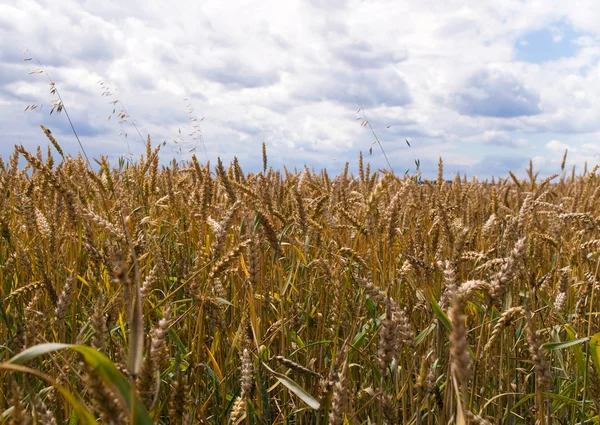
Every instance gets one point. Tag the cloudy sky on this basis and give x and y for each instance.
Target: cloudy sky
(486, 85)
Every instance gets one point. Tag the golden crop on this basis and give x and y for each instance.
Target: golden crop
(218, 296)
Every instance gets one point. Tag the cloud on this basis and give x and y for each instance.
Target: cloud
(236, 75)
(557, 146)
(361, 55)
(499, 166)
(450, 78)
(373, 87)
(499, 138)
(493, 93)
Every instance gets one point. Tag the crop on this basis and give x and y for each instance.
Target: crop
(200, 293)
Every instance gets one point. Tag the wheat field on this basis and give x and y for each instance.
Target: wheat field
(202, 294)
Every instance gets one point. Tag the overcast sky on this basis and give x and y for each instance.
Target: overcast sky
(487, 85)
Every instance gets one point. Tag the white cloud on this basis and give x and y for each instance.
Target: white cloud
(590, 147)
(557, 146)
(538, 161)
(442, 74)
(501, 138)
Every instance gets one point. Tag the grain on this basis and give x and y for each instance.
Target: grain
(265, 291)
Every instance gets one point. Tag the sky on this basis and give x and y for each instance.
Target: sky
(485, 85)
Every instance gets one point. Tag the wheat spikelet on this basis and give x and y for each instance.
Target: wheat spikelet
(18, 415)
(340, 397)
(179, 400)
(109, 227)
(505, 319)
(564, 160)
(295, 366)
(387, 339)
(475, 418)
(507, 272)
(538, 357)
(460, 359)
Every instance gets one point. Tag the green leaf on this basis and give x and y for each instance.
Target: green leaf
(424, 334)
(595, 351)
(443, 317)
(36, 351)
(362, 337)
(371, 307)
(522, 401)
(561, 345)
(296, 338)
(78, 406)
(579, 357)
(223, 301)
(312, 344)
(136, 323)
(102, 365)
(566, 401)
(295, 388)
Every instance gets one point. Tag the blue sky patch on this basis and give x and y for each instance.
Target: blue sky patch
(553, 42)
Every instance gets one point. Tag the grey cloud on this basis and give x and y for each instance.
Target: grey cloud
(498, 165)
(10, 72)
(143, 80)
(361, 55)
(381, 87)
(372, 87)
(503, 140)
(7, 26)
(573, 122)
(246, 127)
(496, 94)
(92, 47)
(402, 129)
(18, 98)
(85, 125)
(459, 27)
(8, 52)
(235, 74)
